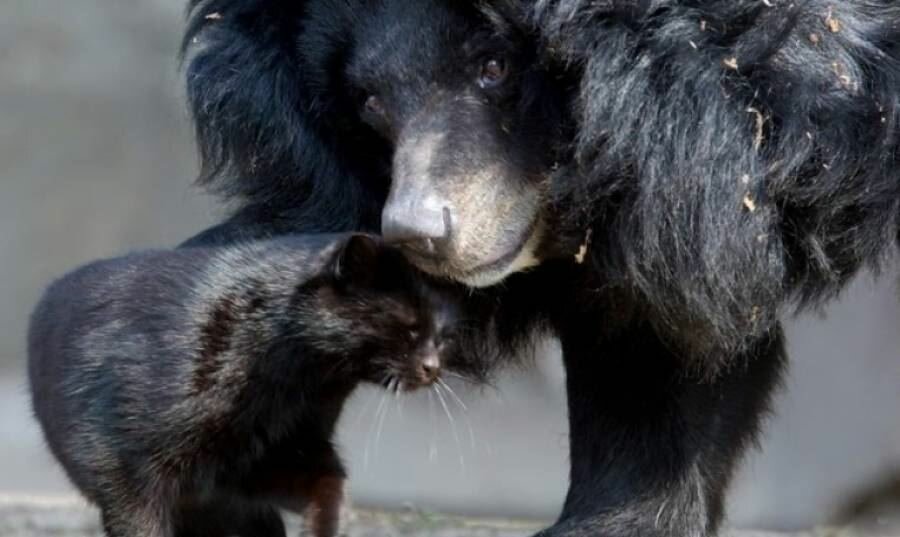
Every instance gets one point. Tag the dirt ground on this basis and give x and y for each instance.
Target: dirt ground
(70, 518)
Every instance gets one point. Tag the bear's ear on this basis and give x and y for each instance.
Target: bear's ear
(256, 113)
(246, 95)
(356, 262)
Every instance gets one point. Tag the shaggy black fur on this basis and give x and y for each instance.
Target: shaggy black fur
(689, 170)
(200, 417)
(743, 155)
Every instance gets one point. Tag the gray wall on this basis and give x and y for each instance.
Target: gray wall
(96, 159)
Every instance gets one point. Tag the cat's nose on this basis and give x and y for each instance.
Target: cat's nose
(430, 368)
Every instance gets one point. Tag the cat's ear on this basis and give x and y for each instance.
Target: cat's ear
(356, 262)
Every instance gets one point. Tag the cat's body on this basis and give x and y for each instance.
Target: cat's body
(208, 434)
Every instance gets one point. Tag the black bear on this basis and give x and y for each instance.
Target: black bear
(654, 182)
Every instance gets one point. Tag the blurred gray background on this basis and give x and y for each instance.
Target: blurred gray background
(96, 159)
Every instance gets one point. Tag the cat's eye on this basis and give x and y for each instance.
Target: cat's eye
(413, 335)
(375, 106)
(447, 338)
(493, 72)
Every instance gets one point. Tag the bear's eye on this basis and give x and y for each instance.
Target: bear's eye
(374, 106)
(493, 73)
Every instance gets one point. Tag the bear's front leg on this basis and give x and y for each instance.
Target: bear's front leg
(653, 448)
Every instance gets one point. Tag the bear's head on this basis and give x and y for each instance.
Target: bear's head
(439, 115)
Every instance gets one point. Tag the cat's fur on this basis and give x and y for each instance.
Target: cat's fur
(210, 416)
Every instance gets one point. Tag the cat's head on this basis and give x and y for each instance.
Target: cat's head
(402, 326)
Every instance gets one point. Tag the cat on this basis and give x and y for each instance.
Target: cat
(188, 425)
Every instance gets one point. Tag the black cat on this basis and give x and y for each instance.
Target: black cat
(204, 420)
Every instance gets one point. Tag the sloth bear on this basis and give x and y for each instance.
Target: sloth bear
(654, 182)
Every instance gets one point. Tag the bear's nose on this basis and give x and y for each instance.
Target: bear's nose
(422, 225)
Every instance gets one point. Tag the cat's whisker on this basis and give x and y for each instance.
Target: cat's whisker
(440, 396)
(465, 412)
(432, 444)
(364, 411)
(460, 377)
(398, 396)
(368, 444)
(386, 400)
(395, 390)
(453, 394)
